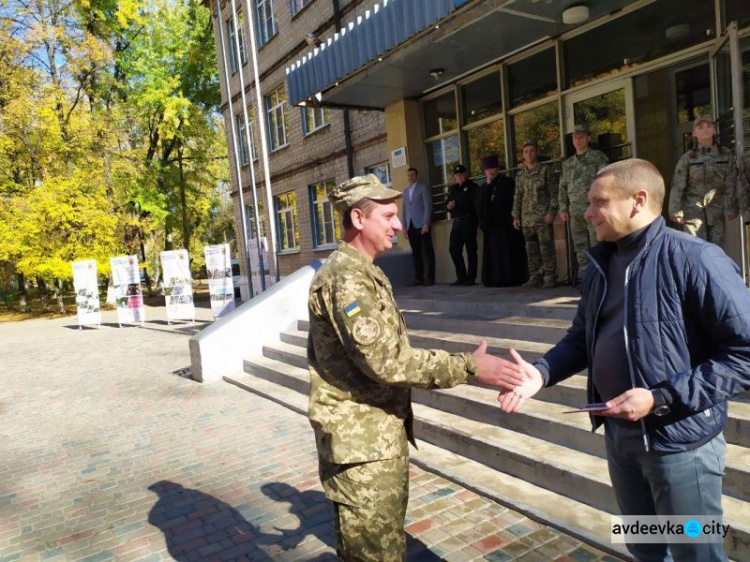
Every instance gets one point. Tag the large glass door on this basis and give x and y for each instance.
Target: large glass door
(728, 100)
(608, 112)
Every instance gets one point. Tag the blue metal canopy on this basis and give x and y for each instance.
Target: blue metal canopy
(380, 30)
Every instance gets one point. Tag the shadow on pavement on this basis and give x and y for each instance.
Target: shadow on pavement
(196, 524)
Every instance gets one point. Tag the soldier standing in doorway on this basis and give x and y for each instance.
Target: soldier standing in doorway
(704, 186)
(534, 209)
(362, 368)
(578, 173)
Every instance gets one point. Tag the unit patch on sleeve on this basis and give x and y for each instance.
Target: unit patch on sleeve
(366, 330)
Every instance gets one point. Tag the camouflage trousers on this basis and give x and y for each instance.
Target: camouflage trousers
(369, 504)
(584, 236)
(540, 251)
(698, 226)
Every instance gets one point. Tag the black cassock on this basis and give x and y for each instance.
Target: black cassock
(504, 253)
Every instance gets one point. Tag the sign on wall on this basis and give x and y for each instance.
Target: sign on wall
(86, 286)
(178, 285)
(220, 285)
(126, 286)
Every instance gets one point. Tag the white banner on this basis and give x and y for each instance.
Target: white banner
(178, 285)
(220, 285)
(252, 247)
(86, 286)
(126, 283)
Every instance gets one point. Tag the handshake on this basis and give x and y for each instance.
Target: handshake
(517, 379)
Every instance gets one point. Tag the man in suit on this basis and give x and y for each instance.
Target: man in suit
(417, 214)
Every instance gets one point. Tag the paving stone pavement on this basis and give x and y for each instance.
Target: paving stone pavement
(109, 452)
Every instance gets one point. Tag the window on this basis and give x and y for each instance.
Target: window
(540, 124)
(297, 5)
(533, 78)
(382, 170)
(482, 141)
(250, 220)
(241, 138)
(481, 98)
(325, 221)
(276, 118)
(286, 216)
(440, 115)
(231, 44)
(313, 119)
(267, 27)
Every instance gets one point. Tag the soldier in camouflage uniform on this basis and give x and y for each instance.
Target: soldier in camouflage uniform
(704, 186)
(578, 173)
(361, 370)
(534, 209)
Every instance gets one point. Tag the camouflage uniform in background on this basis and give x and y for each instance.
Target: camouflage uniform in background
(536, 196)
(361, 368)
(704, 190)
(743, 188)
(577, 176)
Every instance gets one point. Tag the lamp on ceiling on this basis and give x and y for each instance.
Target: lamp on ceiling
(437, 72)
(575, 14)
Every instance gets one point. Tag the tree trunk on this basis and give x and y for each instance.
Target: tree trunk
(183, 201)
(143, 258)
(23, 305)
(59, 296)
(42, 291)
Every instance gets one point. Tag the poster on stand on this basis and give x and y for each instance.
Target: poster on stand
(126, 283)
(220, 285)
(178, 285)
(86, 286)
(252, 247)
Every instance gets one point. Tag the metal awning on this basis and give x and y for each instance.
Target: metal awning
(380, 30)
(347, 71)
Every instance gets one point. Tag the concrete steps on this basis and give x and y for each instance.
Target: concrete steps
(545, 463)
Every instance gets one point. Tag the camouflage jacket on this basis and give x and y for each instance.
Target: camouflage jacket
(362, 365)
(536, 195)
(704, 182)
(577, 176)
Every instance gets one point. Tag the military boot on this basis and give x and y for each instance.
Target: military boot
(533, 283)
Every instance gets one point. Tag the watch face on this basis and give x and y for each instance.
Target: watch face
(661, 410)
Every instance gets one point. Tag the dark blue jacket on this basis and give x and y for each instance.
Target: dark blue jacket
(687, 332)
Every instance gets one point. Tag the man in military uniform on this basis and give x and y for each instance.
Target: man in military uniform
(463, 203)
(534, 208)
(704, 185)
(578, 173)
(361, 370)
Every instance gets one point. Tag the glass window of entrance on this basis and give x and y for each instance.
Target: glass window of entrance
(693, 91)
(326, 229)
(440, 115)
(442, 155)
(606, 118)
(653, 31)
(540, 124)
(736, 10)
(483, 141)
(482, 98)
(533, 78)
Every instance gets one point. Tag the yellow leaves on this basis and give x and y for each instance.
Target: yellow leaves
(128, 13)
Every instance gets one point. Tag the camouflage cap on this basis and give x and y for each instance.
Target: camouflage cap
(581, 128)
(702, 118)
(358, 188)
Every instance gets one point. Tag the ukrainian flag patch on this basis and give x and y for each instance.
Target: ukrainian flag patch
(353, 309)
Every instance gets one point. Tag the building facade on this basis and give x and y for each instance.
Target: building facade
(353, 86)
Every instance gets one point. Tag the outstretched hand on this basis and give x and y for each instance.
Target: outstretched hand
(512, 399)
(496, 371)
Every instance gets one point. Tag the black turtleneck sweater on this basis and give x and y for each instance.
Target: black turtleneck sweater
(610, 367)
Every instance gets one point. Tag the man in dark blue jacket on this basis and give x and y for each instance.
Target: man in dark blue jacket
(663, 326)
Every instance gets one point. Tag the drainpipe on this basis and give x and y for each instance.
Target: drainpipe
(347, 122)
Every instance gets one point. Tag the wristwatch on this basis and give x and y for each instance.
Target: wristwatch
(662, 408)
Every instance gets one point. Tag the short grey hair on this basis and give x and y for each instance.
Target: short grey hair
(632, 175)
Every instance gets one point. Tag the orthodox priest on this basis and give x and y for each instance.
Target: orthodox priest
(504, 253)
